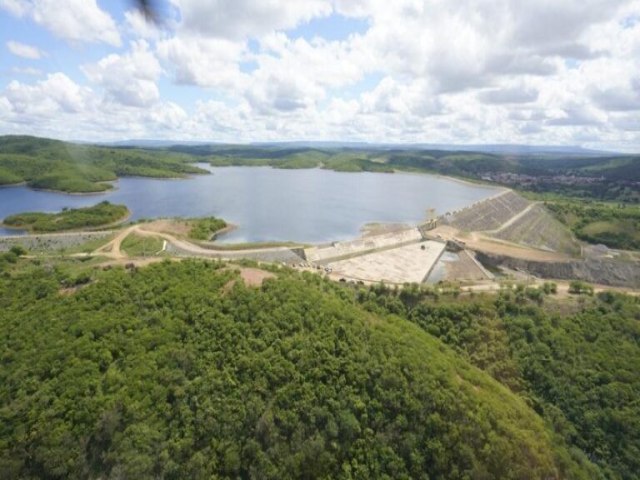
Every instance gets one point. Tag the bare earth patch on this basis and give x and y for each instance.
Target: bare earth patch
(168, 225)
(254, 277)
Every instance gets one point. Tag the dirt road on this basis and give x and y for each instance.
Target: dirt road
(113, 248)
(482, 243)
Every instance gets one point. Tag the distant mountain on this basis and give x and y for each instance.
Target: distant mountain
(149, 143)
(503, 149)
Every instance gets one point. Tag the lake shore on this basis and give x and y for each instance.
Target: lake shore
(310, 206)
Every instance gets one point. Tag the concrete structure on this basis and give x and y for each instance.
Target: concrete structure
(405, 264)
(360, 246)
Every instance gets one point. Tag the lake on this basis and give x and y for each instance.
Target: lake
(311, 206)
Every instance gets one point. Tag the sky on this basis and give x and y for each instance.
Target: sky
(536, 72)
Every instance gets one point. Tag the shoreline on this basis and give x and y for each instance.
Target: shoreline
(112, 183)
(223, 231)
(96, 229)
(75, 194)
(13, 185)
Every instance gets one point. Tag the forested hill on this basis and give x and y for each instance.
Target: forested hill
(607, 177)
(180, 371)
(55, 165)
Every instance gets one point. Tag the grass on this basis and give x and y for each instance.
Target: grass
(205, 228)
(255, 245)
(99, 215)
(139, 246)
(90, 245)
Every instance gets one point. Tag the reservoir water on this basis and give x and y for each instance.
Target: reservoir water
(268, 204)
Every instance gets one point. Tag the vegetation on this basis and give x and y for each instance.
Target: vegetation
(54, 165)
(579, 287)
(575, 361)
(205, 228)
(614, 225)
(7, 259)
(180, 371)
(102, 214)
(141, 246)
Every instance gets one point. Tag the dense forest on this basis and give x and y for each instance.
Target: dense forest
(102, 214)
(67, 167)
(178, 370)
(575, 361)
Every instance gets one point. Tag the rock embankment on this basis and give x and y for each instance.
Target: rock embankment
(612, 272)
(49, 242)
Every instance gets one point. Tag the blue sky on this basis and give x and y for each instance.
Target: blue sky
(501, 71)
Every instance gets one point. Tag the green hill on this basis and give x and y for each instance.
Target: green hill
(55, 165)
(99, 215)
(180, 371)
(575, 360)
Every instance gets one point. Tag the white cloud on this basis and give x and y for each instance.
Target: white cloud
(515, 94)
(55, 94)
(204, 62)
(417, 70)
(24, 50)
(73, 20)
(239, 19)
(128, 79)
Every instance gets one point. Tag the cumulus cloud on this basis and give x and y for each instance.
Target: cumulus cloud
(203, 62)
(518, 94)
(237, 19)
(73, 20)
(128, 79)
(23, 50)
(55, 94)
(495, 71)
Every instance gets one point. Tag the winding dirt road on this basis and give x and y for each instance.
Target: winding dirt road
(113, 249)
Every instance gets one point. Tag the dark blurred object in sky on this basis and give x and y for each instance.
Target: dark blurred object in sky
(148, 8)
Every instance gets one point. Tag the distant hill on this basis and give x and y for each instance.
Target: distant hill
(55, 165)
(483, 148)
(568, 170)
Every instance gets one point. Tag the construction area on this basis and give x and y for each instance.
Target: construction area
(405, 255)
(407, 264)
(504, 235)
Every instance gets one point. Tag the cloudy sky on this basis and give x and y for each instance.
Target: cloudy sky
(551, 72)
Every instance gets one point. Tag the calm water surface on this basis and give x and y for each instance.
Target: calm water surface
(270, 204)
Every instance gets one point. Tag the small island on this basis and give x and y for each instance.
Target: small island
(101, 215)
